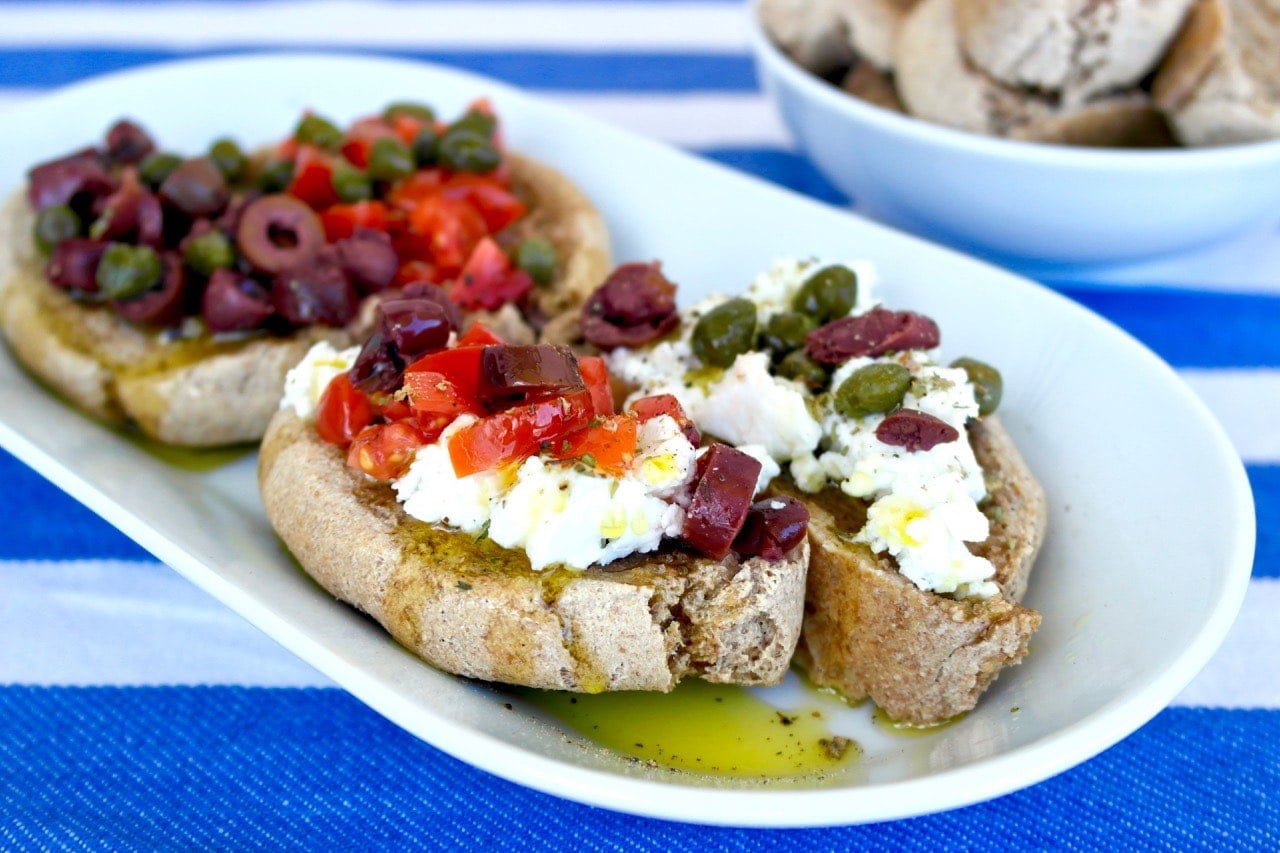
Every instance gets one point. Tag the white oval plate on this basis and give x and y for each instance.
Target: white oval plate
(1151, 517)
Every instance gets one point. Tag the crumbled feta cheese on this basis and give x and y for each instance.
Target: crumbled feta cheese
(304, 384)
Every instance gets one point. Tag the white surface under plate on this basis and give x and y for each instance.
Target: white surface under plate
(1151, 517)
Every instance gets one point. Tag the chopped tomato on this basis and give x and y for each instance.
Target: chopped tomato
(596, 375)
(344, 410)
(407, 128)
(433, 394)
(407, 192)
(360, 139)
(518, 432)
(385, 451)
(497, 205)
(312, 178)
(390, 407)
(451, 227)
(666, 404)
(416, 271)
(460, 365)
(607, 444)
(489, 280)
(479, 335)
(342, 220)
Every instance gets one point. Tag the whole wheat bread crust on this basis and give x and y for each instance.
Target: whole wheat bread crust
(207, 395)
(921, 657)
(472, 608)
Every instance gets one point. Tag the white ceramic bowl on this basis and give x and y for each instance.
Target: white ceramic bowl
(1023, 203)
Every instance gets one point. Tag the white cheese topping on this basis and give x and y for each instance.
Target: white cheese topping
(304, 384)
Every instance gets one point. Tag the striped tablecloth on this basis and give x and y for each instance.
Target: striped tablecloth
(138, 713)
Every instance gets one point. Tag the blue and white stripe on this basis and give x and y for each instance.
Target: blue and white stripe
(100, 646)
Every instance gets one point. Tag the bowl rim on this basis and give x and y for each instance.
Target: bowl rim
(1046, 154)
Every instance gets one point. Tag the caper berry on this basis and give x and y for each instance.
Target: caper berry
(422, 112)
(725, 332)
(157, 167)
(466, 150)
(229, 159)
(786, 330)
(425, 146)
(390, 160)
(537, 257)
(53, 225)
(319, 131)
(988, 385)
(127, 271)
(828, 294)
(482, 123)
(276, 175)
(798, 366)
(350, 184)
(876, 388)
(209, 252)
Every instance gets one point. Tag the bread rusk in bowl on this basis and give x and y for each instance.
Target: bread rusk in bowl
(198, 356)
(924, 519)
(493, 512)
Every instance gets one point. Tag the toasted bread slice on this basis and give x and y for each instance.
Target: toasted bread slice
(473, 608)
(206, 393)
(921, 657)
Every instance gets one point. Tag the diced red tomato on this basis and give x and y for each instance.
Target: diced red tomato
(518, 432)
(596, 376)
(343, 412)
(607, 444)
(432, 394)
(479, 335)
(390, 407)
(489, 280)
(408, 192)
(451, 227)
(497, 205)
(406, 128)
(416, 271)
(460, 365)
(313, 178)
(666, 404)
(342, 220)
(385, 451)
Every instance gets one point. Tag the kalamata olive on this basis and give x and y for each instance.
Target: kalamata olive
(510, 371)
(377, 367)
(414, 326)
(53, 225)
(636, 304)
(60, 181)
(725, 332)
(117, 214)
(721, 498)
(988, 385)
(73, 264)
(196, 187)
(436, 294)
(315, 292)
(128, 143)
(872, 389)
(162, 305)
(773, 527)
(874, 333)
(368, 259)
(233, 302)
(915, 430)
(229, 222)
(277, 232)
(150, 230)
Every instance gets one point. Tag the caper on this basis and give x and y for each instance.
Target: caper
(786, 331)
(422, 112)
(425, 146)
(276, 175)
(209, 252)
(229, 159)
(319, 131)
(350, 184)
(53, 225)
(988, 385)
(725, 332)
(537, 257)
(390, 160)
(798, 366)
(878, 387)
(828, 294)
(127, 271)
(157, 167)
(482, 123)
(465, 150)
